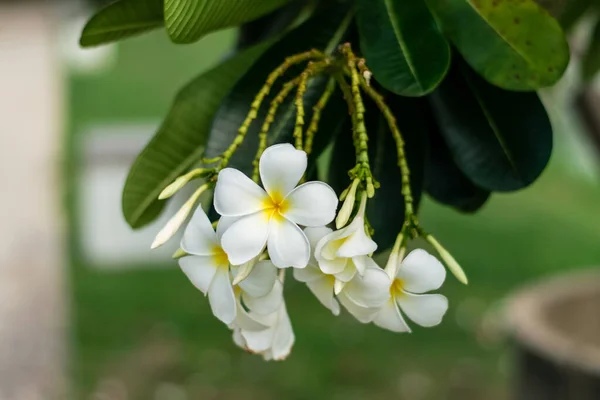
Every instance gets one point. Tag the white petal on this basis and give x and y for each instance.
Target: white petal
(237, 195)
(421, 272)
(287, 244)
(308, 274)
(312, 204)
(323, 290)
(362, 314)
(370, 290)
(358, 243)
(245, 321)
(224, 224)
(333, 267)
(347, 273)
(267, 304)
(241, 272)
(199, 237)
(281, 168)
(338, 286)
(261, 280)
(200, 270)
(389, 318)
(246, 238)
(238, 339)
(283, 338)
(329, 245)
(363, 262)
(315, 234)
(424, 309)
(220, 295)
(259, 341)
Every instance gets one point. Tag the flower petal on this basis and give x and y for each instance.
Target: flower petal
(348, 273)
(244, 320)
(315, 234)
(259, 341)
(238, 339)
(308, 274)
(424, 309)
(246, 238)
(363, 262)
(261, 280)
(312, 204)
(281, 168)
(389, 318)
(224, 224)
(283, 338)
(221, 297)
(370, 290)
(287, 244)
(421, 272)
(237, 195)
(362, 314)
(358, 243)
(267, 304)
(322, 288)
(199, 237)
(200, 270)
(335, 266)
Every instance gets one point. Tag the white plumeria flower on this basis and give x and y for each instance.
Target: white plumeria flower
(207, 266)
(345, 252)
(261, 292)
(365, 294)
(319, 283)
(420, 272)
(271, 217)
(273, 343)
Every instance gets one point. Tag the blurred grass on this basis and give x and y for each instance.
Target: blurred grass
(152, 332)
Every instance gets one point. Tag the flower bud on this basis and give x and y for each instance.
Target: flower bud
(391, 268)
(346, 211)
(179, 253)
(178, 219)
(244, 270)
(180, 182)
(450, 262)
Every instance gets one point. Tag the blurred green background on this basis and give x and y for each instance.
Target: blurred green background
(150, 334)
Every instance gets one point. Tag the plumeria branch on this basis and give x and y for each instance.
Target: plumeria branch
(316, 117)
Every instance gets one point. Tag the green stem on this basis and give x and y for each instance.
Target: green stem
(316, 117)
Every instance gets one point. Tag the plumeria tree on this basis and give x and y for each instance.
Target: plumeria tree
(311, 145)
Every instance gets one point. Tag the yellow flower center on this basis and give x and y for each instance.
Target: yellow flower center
(220, 257)
(397, 288)
(275, 205)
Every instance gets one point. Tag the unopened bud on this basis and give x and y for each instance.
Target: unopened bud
(346, 210)
(180, 182)
(244, 270)
(367, 75)
(391, 268)
(179, 253)
(178, 219)
(450, 262)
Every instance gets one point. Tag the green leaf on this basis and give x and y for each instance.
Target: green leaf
(188, 20)
(572, 11)
(590, 62)
(179, 142)
(385, 211)
(501, 140)
(403, 45)
(323, 31)
(514, 44)
(445, 182)
(122, 19)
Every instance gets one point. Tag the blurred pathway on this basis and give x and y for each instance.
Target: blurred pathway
(32, 299)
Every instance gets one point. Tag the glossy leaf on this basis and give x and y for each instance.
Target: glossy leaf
(445, 182)
(403, 45)
(323, 31)
(180, 141)
(590, 62)
(122, 19)
(188, 20)
(501, 140)
(514, 44)
(385, 212)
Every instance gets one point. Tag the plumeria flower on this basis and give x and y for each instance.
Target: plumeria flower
(207, 265)
(418, 273)
(365, 294)
(345, 252)
(261, 292)
(273, 343)
(270, 217)
(319, 283)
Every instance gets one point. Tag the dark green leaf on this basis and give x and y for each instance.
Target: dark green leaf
(179, 143)
(590, 62)
(188, 20)
(514, 44)
(403, 45)
(323, 31)
(445, 182)
(572, 11)
(501, 140)
(122, 19)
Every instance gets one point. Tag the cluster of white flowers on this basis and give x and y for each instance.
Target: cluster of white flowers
(240, 267)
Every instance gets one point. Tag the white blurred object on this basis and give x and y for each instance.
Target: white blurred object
(84, 61)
